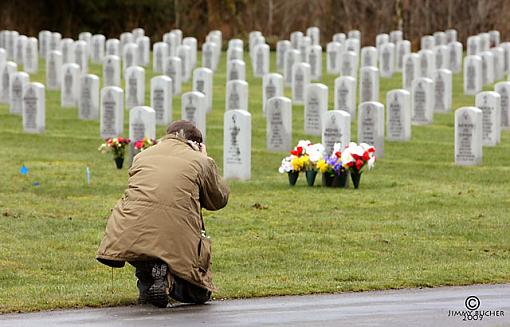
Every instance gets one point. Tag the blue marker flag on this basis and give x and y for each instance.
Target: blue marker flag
(87, 171)
(23, 170)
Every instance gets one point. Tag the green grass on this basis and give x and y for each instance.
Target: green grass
(417, 219)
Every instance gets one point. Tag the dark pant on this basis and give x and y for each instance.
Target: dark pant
(180, 290)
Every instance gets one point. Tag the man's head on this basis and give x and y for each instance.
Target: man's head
(185, 129)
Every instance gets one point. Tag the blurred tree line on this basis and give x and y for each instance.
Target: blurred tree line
(274, 18)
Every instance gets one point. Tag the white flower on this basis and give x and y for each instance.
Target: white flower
(286, 165)
(371, 162)
(303, 143)
(315, 152)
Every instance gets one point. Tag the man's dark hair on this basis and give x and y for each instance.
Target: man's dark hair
(185, 129)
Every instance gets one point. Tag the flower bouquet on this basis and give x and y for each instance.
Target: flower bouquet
(297, 162)
(334, 174)
(145, 143)
(315, 153)
(358, 158)
(117, 146)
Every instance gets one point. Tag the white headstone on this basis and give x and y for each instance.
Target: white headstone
(81, 55)
(235, 54)
(70, 88)
(236, 69)
(138, 32)
(160, 53)
(111, 123)
(333, 51)
(305, 43)
(442, 90)
(387, 60)
(6, 70)
(427, 63)
(184, 52)
(411, 70)
(173, 67)
(316, 104)
(441, 57)
(487, 67)
(53, 70)
(506, 58)
(295, 39)
(237, 145)
(499, 63)
(44, 40)
(354, 45)
(129, 56)
(473, 45)
(135, 87)
(272, 86)
(191, 42)
(193, 108)
(381, 39)
(203, 83)
(427, 42)
(281, 47)
(98, 47)
(292, 57)
(279, 124)
(468, 136)
(345, 94)
(349, 64)
(171, 40)
(125, 39)
(237, 95)
(161, 99)
(354, 34)
(314, 34)
(314, 58)
(422, 101)
(398, 115)
(489, 103)
(142, 123)
(369, 84)
(402, 48)
(261, 60)
(396, 36)
(21, 44)
(208, 53)
(300, 79)
(472, 75)
(439, 38)
(336, 128)
(484, 42)
(18, 82)
(113, 47)
(85, 37)
(144, 48)
(503, 89)
(494, 38)
(31, 59)
(371, 126)
(451, 35)
(369, 57)
(236, 43)
(88, 101)
(67, 51)
(339, 37)
(34, 108)
(111, 71)
(455, 56)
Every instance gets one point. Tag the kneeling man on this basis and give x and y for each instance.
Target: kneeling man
(157, 226)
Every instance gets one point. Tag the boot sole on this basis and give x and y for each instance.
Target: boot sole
(157, 293)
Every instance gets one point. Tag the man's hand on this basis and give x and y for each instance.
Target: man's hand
(203, 148)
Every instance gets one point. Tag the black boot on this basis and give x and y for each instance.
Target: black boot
(157, 294)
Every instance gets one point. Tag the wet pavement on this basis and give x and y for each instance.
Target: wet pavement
(409, 307)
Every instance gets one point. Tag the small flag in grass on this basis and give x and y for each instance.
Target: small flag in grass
(87, 172)
(23, 170)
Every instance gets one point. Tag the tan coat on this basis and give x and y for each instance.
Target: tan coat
(159, 215)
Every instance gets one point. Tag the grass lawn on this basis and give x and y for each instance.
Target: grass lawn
(417, 219)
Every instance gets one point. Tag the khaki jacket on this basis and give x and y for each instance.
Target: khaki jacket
(159, 215)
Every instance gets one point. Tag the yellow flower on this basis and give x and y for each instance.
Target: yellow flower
(296, 164)
(322, 165)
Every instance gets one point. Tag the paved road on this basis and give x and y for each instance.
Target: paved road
(411, 307)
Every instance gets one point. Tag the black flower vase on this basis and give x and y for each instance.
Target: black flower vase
(293, 176)
(119, 161)
(310, 177)
(327, 179)
(343, 179)
(355, 176)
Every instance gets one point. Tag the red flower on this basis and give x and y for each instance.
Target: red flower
(355, 156)
(120, 139)
(371, 149)
(139, 144)
(338, 154)
(297, 152)
(359, 163)
(366, 156)
(350, 164)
